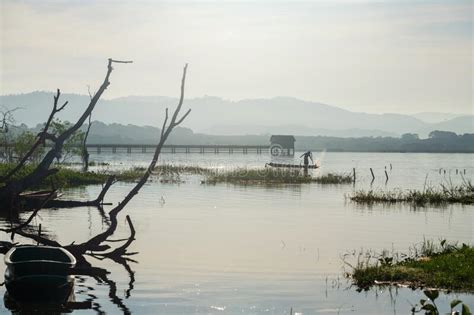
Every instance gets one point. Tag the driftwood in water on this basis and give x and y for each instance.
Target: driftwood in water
(98, 202)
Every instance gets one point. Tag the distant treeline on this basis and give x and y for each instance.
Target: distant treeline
(437, 141)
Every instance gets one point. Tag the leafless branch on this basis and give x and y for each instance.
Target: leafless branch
(98, 239)
(14, 187)
(164, 123)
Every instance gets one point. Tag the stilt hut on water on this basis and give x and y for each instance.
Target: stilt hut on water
(282, 145)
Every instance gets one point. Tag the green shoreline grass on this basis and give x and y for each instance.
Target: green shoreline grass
(70, 177)
(463, 194)
(447, 267)
(274, 176)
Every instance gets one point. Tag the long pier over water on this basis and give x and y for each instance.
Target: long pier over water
(178, 148)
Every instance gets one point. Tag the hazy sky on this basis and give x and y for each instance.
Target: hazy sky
(373, 56)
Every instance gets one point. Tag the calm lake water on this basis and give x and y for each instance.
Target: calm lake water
(230, 249)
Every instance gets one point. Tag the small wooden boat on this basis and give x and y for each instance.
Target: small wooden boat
(41, 194)
(312, 166)
(34, 199)
(39, 273)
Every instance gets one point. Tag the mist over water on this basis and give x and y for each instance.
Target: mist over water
(228, 249)
(337, 76)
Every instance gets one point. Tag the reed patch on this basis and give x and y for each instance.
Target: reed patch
(444, 266)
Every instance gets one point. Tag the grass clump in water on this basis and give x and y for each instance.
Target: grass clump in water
(170, 169)
(263, 175)
(463, 193)
(273, 176)
(334, 179)
(168, 173)
(446, 266)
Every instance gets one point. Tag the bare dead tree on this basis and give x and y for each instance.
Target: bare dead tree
(84, 152)
(96, 246)
(12, 188)
(7, 121)
(40, 138)
(96, 241)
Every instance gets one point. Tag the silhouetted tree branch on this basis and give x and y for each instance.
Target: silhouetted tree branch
(85, 153)
(14, 187)
(102, 237)
(40, 138)
(95, 246)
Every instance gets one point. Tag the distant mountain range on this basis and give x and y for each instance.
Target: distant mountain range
(216, 116)
(432, 117)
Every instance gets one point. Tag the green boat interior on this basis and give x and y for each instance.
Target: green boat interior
(39, 253)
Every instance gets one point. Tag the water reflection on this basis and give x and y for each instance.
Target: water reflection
(45, 302)
(60, 298)
(229, 249)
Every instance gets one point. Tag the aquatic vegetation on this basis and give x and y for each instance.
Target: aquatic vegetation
(463, 193)
(65, 177)
(447, 266)
(429, 307)
(70, 177)
(261, 175)
(166, 169)
(334, 179)
(93, 163)
(274, 176)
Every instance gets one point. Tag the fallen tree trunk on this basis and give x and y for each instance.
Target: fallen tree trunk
(58, 203)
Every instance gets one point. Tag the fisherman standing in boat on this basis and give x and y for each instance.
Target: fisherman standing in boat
(307, 155)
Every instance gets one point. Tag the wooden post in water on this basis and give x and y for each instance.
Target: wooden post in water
(456, 171)
(390, 166)
(354, 174)
(373, 176)
(39, 233)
